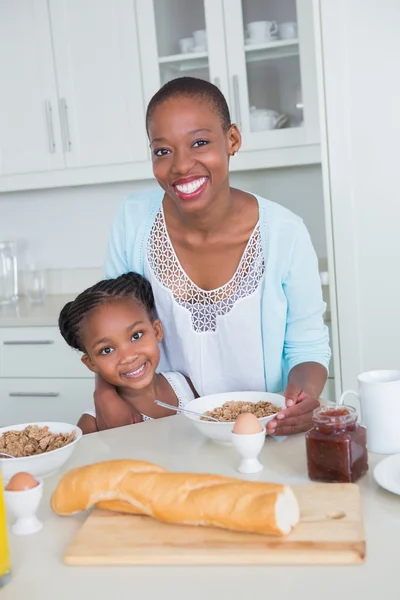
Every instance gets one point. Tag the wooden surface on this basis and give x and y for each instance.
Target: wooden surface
(330, 532)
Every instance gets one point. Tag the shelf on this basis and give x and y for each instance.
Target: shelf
(185, 62)
(270, 50)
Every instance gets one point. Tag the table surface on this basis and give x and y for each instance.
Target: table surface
(39, 573)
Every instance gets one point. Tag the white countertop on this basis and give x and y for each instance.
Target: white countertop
(39, 574)
(26, 314)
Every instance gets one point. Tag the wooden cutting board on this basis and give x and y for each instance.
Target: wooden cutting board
(330, 532)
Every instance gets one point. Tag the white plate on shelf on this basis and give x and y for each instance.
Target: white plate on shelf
(387, 473)
(257, 42)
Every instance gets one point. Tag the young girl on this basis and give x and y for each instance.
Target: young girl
(235, 276)
(114, 324)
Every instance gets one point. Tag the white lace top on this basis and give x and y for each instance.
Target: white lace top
(221, 349)
(179, 384)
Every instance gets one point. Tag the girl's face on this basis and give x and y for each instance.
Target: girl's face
(190, 151)
(122, 343)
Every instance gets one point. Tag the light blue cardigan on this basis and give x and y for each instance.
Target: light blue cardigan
(292, 308)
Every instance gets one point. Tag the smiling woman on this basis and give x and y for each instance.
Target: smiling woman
(235, 276)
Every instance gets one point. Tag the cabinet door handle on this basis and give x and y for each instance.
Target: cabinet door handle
(50, 128)
(236, 96)
(28, 342)
(34, 394)
(65, 125)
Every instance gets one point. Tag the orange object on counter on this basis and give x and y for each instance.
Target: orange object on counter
(336, 446)
(4, 551)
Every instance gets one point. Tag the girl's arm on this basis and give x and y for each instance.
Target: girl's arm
(306, 346)
(111, 410)
(88, 424)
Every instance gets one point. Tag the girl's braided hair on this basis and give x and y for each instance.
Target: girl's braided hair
(127, 285)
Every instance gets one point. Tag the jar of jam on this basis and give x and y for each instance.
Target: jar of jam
(336, 445)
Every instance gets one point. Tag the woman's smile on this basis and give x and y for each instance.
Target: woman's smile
(190, 188)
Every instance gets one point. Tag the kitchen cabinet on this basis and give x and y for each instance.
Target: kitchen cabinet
(41, 378)
(71, 96)
(74, 94)
(268, 78)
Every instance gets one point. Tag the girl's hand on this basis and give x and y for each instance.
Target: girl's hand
(297, 416)
(111, 410)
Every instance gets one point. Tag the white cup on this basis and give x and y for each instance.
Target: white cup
(249, 447)
(186, 44)
(288, 31)
(200, 38)
(379, 396)
(261, 31)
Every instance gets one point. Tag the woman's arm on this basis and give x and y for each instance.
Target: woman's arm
(306, 346)
(111, 410)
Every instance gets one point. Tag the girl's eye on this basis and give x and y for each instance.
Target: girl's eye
(107, 350)
(200, 143)
(161, 152)
(136, 336)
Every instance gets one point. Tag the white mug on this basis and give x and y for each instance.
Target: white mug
(261, 30)
(287, 31)
(379, 396)
(200, 38)
(186, 44)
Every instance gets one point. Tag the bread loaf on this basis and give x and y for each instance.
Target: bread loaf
(188, 498)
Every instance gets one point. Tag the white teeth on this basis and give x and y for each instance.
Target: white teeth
(192, 186)
(137, 372)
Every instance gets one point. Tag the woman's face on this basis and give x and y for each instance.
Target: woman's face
(190, 151)
(122, 343)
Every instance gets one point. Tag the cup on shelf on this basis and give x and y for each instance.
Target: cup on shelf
(262, 119)
(261, 31)
(186, 44)
(200, 39)
(288, 30)
(35, 287)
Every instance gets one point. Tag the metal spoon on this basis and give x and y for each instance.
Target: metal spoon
(6, 455)
(178, 409)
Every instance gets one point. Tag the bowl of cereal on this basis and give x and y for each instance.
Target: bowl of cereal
(227, 407)
(37, 448)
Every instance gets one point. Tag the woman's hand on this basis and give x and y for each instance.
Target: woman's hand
(111, 410)
(297, 416)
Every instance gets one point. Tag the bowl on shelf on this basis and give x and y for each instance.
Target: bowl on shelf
(40, 465)
(221, 432)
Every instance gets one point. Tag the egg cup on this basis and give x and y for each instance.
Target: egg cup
(23, 505)
(249, 447)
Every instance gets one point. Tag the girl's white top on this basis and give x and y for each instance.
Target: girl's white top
(178, 383)
(213, 335)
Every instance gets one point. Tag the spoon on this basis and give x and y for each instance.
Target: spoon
(6, 455)
(178, 409)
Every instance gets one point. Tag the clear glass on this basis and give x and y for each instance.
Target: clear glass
(181, 39)
(272, 64)
(5, 571)
(35, 287)
(8, 273)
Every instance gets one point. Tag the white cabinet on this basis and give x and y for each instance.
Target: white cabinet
(71, 98)
(269, 79)
(41, 377)
(30, 133)
(98, 76)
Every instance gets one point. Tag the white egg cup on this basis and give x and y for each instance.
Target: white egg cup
(23, 505)
(249, 447)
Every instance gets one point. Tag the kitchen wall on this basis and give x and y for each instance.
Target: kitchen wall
(67, 228)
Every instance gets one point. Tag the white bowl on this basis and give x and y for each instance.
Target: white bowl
(221, 432)
(40, 465)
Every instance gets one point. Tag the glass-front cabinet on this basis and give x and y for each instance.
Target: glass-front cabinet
(259, 52)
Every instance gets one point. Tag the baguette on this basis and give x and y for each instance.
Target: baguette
(142, 488)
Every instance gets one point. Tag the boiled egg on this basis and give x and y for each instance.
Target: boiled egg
(20, 482)
(246, 424)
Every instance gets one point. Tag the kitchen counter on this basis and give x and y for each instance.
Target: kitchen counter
(26, 314)
(39, 574)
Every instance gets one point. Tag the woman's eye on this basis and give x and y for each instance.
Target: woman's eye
(199, 143)
(137, 336)
(107, 350)
(161, 152)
